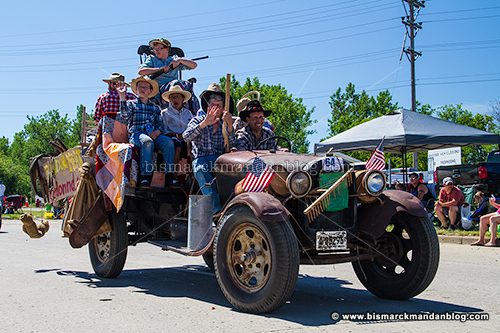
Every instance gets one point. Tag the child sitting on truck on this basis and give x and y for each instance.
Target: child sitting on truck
(145, 127)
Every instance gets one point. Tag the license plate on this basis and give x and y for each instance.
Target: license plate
(331, 240)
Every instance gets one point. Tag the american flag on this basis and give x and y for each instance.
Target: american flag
(259, 176)
(377, 161)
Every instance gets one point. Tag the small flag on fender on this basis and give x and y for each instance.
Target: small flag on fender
(259, 176)
(377, 160)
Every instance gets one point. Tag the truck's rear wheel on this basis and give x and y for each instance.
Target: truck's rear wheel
(256, 263)
(108, 252)
(409, 262)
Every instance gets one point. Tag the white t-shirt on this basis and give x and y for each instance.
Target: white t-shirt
(176, 121)
(2, 190)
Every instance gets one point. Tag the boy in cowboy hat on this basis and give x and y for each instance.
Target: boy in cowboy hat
(250, 136)
(176, 118)
(108, 103)
(171, 65)
(145, 126)
(205, 133)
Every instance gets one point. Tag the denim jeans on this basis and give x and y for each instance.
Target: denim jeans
(162, 143)
(202, 168)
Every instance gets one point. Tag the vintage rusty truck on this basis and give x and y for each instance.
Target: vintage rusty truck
(317, 210)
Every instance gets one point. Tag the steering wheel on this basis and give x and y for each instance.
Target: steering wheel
(276, 138)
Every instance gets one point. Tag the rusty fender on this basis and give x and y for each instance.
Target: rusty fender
(373, 218)
(264, 206)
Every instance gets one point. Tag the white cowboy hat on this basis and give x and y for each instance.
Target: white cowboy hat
(153, 83)
(176, 89)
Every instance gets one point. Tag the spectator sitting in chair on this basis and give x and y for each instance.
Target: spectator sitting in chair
(418, 189)
(492, 219)
(449, 203)
(482, 207)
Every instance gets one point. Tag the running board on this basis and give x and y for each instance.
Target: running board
(180, 246)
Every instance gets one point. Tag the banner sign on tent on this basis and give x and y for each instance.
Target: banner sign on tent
(441, 157)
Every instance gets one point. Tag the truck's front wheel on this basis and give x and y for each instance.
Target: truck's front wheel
(408, 260)
(108, 251)
(256, 263)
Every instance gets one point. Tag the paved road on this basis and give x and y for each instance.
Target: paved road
(45, 286)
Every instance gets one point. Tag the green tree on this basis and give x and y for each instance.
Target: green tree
(459, 115)
(350, 108)
(14, 175)
(289, 115)
(4, 145)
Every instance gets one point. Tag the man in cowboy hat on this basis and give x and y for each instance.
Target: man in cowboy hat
(176, 118)
(250, 136)
(242, 103)
(145, 126)
(108, 103)
(205, 133)
(161, 60)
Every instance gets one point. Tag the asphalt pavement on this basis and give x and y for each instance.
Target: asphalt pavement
(46, 286)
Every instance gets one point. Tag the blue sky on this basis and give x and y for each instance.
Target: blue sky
(55, 53)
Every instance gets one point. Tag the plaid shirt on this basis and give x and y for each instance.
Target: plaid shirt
(246, 140)
(204, 141)
(109, 103)
(140, 117)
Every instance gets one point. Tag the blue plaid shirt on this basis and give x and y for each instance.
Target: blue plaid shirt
(204, 141)
(141, 117)
(246, 140)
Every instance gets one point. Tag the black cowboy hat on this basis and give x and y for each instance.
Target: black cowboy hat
(253, 106)
(214, 89)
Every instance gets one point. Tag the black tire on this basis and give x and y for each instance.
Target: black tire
(407, 269)
(208, 257)
(266, 279)
(108, 252)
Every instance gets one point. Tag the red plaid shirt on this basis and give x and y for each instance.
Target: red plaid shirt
(109, 103)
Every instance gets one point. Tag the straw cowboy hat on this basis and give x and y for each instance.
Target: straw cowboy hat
(176, 90)
(153, 83)
(252, 106)
(212, 89)
(246, 98)
(162, 41)
(115, 77)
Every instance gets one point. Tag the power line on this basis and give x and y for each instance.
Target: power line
(149, 21)
(460, 11)
(462, 19)
(216, 28)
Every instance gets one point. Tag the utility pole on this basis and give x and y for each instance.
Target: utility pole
(412, 28)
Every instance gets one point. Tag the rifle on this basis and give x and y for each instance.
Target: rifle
(160, 71)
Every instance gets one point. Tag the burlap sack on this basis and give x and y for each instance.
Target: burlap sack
(86, 214)
(33, 229)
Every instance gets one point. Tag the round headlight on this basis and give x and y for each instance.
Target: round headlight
(299, 183)
(375, 183)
